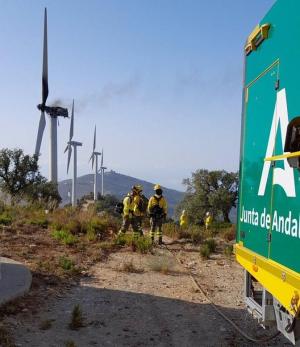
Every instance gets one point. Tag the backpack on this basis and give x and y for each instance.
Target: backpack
(143, 204)
(119, 207)
(156, 210)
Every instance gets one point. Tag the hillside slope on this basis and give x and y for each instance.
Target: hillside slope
(118, 185)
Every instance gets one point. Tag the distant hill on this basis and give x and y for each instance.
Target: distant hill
(118, 185)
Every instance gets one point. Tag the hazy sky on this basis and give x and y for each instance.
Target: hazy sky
(161, 79)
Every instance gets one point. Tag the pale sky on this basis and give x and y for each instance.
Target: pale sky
(162, 80)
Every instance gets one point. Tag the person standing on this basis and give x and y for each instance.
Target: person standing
(208, 220)
(183, 220)
(157, 210)
(131, 217)
(140, 204)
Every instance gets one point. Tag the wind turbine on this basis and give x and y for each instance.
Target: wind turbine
(94, 158)
(73, 144)
(102, 168)
(53, 111)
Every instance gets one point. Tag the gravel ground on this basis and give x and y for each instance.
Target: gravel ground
(145, 300)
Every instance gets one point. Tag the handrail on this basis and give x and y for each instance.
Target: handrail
(283, 156)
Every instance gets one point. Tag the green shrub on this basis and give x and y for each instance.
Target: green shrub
(76, 318)
(211, 244)
(143, 244)
(73, 226)
(66, 263)
(5, 219)
(205, 251)
(195, 234)
(64, 236)
(41, 222)
(228, 250)
(123, 240)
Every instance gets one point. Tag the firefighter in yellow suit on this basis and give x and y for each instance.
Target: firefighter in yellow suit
(208, 220)
(157, 210)
(131, 215)
(183, 220)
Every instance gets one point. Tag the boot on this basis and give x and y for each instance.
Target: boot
(152, 240)
(160, 242)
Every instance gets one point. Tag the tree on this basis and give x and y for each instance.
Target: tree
(214, 191)
(20, 177)
(45, 193)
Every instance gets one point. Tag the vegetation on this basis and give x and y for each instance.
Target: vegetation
(20, 179)
(162, 264)
(205, 251)
(130, 267)
(142, 244)
(214, 191)
(76, 318)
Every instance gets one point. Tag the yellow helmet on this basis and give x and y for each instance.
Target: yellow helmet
(157, 186)
(137, 188)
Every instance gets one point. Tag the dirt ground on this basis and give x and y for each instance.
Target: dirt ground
(144, 300)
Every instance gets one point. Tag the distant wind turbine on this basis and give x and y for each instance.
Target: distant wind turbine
(102, 169)
(73, 144)
(53, 111)
(94, 158)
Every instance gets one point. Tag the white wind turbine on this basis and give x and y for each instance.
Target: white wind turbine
(53, 111)
(102, 168)
(73, 144)
(94, 158)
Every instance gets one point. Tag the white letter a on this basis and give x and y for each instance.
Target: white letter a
(283, 177)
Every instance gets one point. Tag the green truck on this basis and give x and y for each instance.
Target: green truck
(268, 226)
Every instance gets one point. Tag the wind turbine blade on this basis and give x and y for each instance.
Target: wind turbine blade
(94, 144)
(66, 148)
(102, 158)
(93, 159)
(41, 129)
(69, 157)
(45, 89)
(72, 123)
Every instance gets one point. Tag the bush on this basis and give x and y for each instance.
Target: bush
(195, 234)
(230, 234)
(211, 244)
(130, 267)
(66, 263)
(205, 251)
(162, 264)
(5, 219)
(228, 251)
(64, 236)
(143, 245)
(76, 318)
(172, 230)
(41, 222)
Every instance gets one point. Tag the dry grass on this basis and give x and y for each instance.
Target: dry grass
(162, 264)
(6, 339)
(130, 267)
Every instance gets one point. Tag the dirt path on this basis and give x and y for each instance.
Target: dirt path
(147, 307)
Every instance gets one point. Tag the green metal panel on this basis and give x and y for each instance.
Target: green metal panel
(258, 115)
(279, 197)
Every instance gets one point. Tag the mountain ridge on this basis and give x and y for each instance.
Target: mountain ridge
(118, 185)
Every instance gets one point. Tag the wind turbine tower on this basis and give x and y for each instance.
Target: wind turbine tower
(102, 169)
(73, 144)
(94, 158)
(53, 111)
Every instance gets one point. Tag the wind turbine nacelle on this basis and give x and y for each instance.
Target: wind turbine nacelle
(54, 111)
